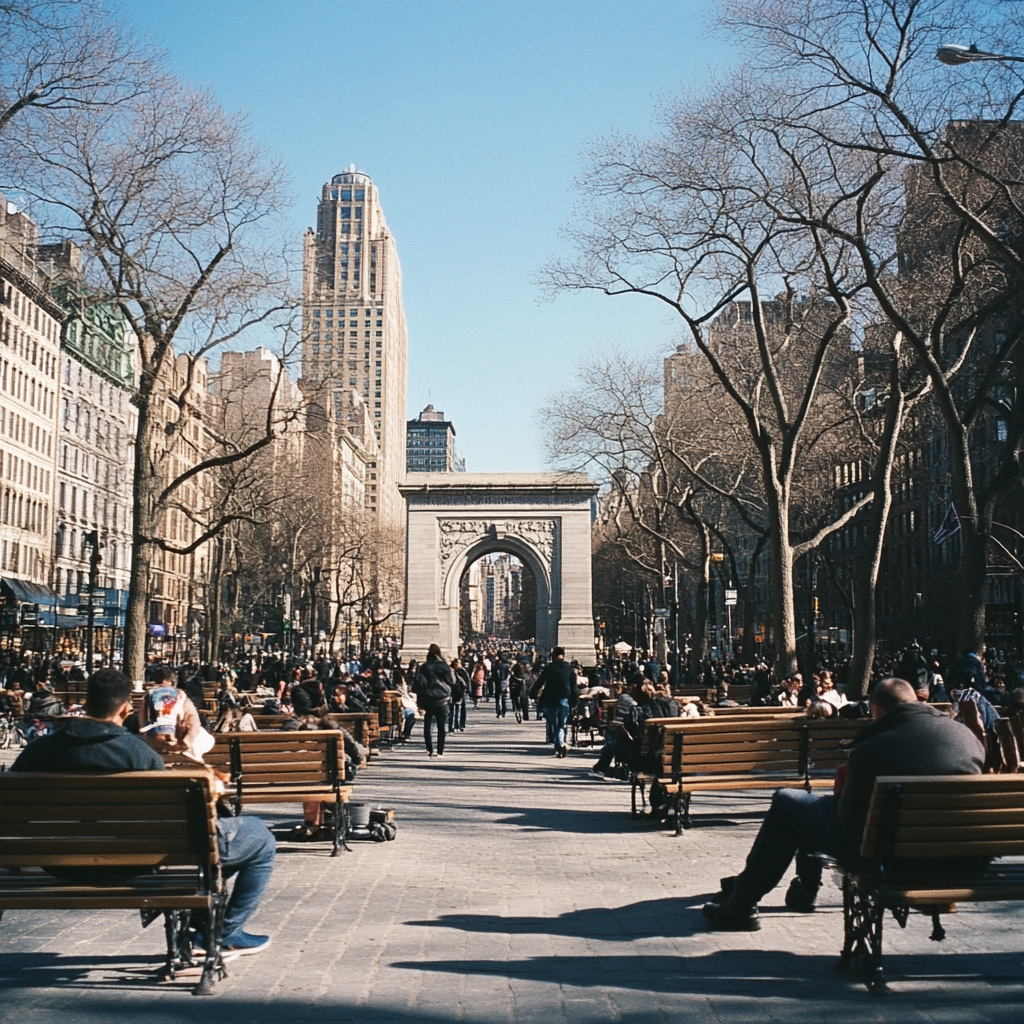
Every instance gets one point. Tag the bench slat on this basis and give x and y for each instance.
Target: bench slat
(76, 828)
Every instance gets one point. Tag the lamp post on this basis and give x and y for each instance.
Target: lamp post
(313, 585)
(955, 54)
(91, 538)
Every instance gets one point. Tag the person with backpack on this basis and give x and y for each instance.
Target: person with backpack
(500, 679)
(433, 689)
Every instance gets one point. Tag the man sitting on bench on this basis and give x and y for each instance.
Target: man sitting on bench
(906, 738)
(98, 743)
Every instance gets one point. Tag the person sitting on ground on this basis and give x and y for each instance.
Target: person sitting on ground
(905, 738)
(98, 744)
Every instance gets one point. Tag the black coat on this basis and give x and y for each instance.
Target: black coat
(433, 679)
(556, 682)
(912, 739)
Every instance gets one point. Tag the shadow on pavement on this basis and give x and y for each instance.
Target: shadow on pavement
(669, 918)
(556, 819)
(755, 973)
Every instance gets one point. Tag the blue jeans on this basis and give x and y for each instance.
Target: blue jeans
(797, 824)
(457, 716)
(558, 717)
(247, 850)
(616, 744)
(500, 703)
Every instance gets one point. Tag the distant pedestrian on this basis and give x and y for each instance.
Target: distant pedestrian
(433, 689)
(479, 673)
(556, 692)
(500, 678)
(457, 707)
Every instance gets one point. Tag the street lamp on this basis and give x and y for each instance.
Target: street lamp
(955, 54)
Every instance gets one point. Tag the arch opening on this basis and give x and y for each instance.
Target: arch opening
(498, 597)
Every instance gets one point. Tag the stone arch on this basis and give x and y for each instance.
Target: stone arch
(543, 519)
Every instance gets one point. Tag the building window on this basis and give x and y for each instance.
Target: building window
(346, 213)
(1002, 430)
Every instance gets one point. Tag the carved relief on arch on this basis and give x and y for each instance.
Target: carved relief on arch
(456, 535)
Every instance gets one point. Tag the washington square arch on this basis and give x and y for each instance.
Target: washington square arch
(543, 519)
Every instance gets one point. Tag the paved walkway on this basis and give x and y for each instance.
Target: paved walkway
(517, 890)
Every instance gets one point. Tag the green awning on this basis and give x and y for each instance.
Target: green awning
(28, 593)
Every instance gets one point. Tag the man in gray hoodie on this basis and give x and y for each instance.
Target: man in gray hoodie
(905, 738)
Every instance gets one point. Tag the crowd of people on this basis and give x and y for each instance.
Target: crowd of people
(909, 735)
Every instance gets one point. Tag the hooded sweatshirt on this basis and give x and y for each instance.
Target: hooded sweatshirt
(85, 745)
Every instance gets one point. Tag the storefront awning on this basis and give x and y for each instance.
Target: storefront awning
(29, 593)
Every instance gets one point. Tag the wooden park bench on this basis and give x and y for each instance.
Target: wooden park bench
(926, 845)
(1010, 733)
(391, 716)
(739, 692)
(745, 710)
(707, 755)
(364, 726)
(161, 825)
(287, 767)
(700, 692)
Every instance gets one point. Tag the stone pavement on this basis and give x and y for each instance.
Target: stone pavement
(517, 890)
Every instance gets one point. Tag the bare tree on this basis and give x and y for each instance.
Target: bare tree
(685, 219)
(63, 55)
(175, 209)
(859, 82)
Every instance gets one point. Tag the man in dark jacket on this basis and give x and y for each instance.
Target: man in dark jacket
(433, 689)
(99, 744)
(556, 691)
(905, 738)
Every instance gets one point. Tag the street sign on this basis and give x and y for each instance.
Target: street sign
(730, 598)
(661, 613)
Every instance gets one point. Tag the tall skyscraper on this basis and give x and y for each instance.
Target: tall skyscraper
(354, 333)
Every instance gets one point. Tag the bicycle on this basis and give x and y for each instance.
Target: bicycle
(8, 731)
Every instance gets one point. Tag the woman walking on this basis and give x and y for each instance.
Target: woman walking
(479, 677)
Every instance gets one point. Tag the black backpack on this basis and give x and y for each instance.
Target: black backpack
(431, 688)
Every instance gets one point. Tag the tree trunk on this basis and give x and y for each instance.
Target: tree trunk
(973, 569)
(780, 553)
(865, 623)
(214, 599)
(137, 614)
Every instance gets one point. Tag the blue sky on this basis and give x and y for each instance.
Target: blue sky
(471, 117)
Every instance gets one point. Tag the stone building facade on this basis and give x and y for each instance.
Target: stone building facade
(95, 454)
(29, 368)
